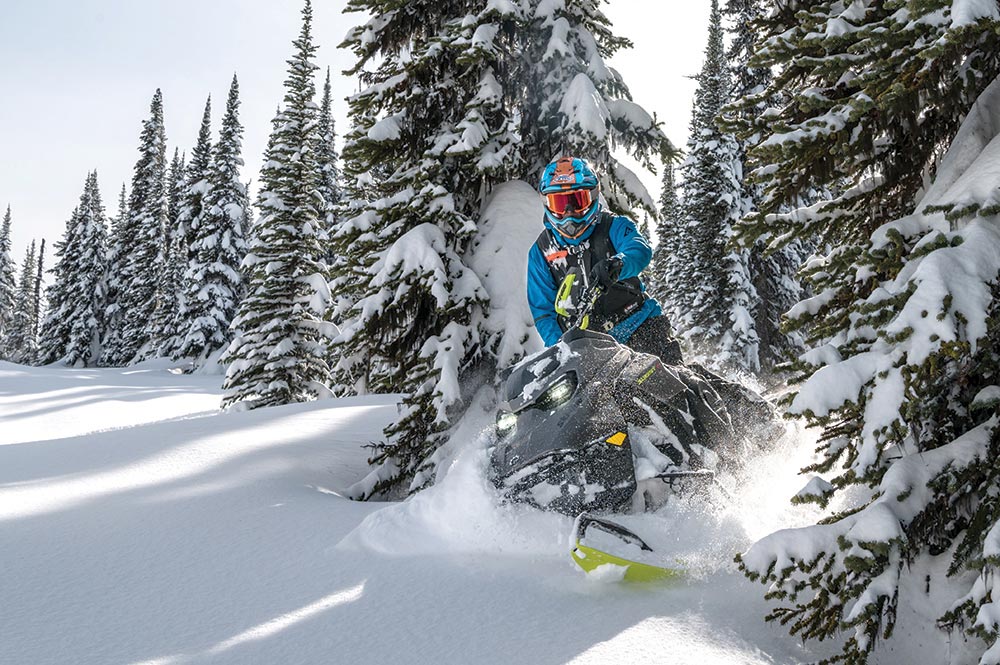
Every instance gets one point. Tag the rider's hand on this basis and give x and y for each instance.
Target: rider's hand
(607, 271)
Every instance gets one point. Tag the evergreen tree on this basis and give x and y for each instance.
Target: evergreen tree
(278, 355)
(192, 210)
(664, 272)
(37, 300)
(440, 135)
(113, 275)
(19, 344)
(719, 295)
(773, 271)
(166, 334)
(176, 183)
(8, 286)
(351, 370)
(139, 245)
(326, 162)
(71, 331)
(220, 244)
(903, 329)
(196, 186)
(575, 104)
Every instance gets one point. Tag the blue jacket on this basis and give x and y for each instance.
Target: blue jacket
(635, 253)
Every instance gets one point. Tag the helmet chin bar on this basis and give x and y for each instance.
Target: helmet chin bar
(572, 228)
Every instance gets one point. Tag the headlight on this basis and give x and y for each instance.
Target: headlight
(505, 422)
(558, 393)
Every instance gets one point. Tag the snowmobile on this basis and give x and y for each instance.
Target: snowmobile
(591, 426)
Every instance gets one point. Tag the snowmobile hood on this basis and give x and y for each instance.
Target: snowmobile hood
(536, 374)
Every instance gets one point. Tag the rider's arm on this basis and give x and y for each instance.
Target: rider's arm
(632, 247)
(542, 297)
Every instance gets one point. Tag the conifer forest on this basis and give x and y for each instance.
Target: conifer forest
(324, 392)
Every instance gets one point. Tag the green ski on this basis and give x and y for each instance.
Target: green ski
(590, 558)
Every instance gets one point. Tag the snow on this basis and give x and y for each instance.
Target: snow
(987, 398)
(387, 129)
(968, 12)
(585, 109)
(140, 525)
(509, 225)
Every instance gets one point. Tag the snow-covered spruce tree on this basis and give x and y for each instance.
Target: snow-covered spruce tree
(718, 294)
(433, 112)
(166, 334)
(351, 370)
(663, 278)
(113, 275)
(279, 353)
(19, 344)
(196, 184)
(575, 104)
(220, 244)
(773, 271)
(8, 287)
(176, 184)
(71, 330)
(197, 181)
(140, 237)
(37, 298)
(902, 373)
(326, 162)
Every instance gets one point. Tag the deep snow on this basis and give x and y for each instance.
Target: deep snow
(139, 525)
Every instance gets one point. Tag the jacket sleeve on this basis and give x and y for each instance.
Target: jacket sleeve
(632, 246)
(542, 292)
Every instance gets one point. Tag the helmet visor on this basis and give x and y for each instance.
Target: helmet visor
(561, 204)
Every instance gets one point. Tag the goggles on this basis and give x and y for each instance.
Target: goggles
(561, 204)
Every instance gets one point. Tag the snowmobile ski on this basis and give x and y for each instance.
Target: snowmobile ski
(590, 558)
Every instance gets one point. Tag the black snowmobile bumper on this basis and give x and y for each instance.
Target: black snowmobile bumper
(596, 476)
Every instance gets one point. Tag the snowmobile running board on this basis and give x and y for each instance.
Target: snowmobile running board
(590, 558)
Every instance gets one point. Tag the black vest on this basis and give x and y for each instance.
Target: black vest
(621, 300)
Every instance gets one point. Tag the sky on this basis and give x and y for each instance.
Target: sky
(77, 76)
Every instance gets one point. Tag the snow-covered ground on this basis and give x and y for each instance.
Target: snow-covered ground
(139, 525)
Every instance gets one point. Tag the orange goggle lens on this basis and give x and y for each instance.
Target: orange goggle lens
(564, 203)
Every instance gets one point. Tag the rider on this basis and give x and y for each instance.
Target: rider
(583, 245)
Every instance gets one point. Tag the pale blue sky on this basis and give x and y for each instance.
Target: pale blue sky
(76, 78)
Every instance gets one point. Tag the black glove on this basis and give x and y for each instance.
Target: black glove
(607, 271)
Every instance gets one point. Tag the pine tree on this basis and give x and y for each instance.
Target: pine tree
(440, 136)
(220, 243)
(71, 331)
(37, 299)
(176, 184)
(139, 245)
(278, 355)
(719, 295)
(773, 271)
(196, 186)
(326, 162)
(8, 286)
(192, 210)
(664, 272)
(166, 334)
(351, 369)
(19, 344)
(903, 327)
(113, 275)
(575, 104)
